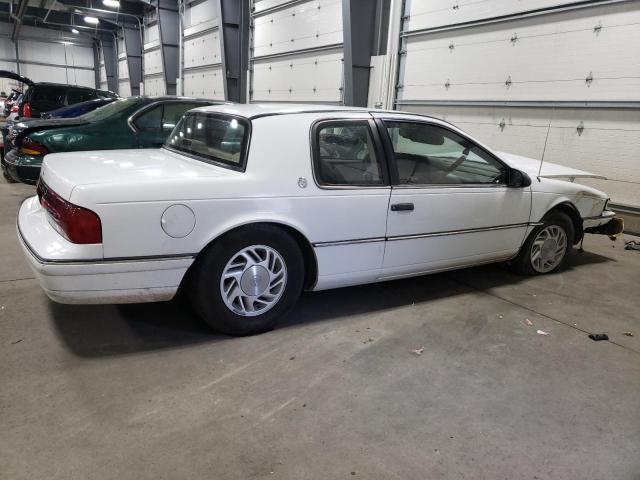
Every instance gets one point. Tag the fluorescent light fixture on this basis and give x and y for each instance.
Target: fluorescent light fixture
(92, 20)
(75, 30)
(111, 3)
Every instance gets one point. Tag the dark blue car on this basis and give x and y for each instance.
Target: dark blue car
(78, 109)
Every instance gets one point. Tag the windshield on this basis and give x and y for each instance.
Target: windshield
(219, 138)
(108, 110)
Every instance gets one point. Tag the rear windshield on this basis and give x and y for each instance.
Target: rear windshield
(108, 110)
(219, 138)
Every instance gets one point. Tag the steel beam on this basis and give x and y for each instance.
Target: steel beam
(234, 34)
(168, 29)
(133, 48)
(17, 18)
(110, 64)
(363, 33)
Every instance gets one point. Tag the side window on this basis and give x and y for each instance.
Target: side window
(77, 95)
(149, 120)
(345, 155)
(431, 155)
(173, 112)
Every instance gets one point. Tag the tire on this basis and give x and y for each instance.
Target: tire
(531, 258)
(265, 275)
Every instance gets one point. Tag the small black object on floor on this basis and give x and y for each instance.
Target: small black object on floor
(596, 337)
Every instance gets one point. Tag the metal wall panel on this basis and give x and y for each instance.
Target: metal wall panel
(152, 62)
(200, 12)
(307, 77)
(123, 70)
(46, 73)
(202, 50)
(297, 52)
(575, 74)
(124, 88)
(82, 77)
(154, 85)
(301, 26)
(43, 52)
(205, 83)
(79, 56)
(437, 13)
(5, 84)
(151, 36)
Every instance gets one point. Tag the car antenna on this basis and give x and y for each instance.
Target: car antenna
(544, 149)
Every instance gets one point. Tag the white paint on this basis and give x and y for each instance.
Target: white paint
(130, 190)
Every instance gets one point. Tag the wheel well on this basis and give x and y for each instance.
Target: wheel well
(308, 255)
(572, 212)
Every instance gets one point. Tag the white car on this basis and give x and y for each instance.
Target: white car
(247, 205)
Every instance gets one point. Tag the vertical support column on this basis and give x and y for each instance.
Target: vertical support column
(168, 30)
(96, 63)
(133, 47)
(110, 64)
(234, 34)
(365, 30)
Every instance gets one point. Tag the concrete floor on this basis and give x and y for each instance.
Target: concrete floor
(146, 391)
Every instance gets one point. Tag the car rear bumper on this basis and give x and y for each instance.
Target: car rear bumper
(67, 276)
(22, 168)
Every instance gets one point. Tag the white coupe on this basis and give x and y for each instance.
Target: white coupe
(247, 205)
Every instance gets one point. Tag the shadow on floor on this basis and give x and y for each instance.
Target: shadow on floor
(105, 330)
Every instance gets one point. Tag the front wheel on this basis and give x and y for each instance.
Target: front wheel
(546, 248)
(247, 280)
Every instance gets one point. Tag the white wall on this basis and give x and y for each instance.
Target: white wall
(548, 58)
(44, 58)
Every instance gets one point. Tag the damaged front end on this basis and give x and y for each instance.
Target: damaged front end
(606, 224)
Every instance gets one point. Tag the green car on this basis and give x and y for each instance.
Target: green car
(134, 122)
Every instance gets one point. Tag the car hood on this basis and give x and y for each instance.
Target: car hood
(127, 171)
(548, 170)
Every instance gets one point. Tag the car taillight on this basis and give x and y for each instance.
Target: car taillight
(31, 147)
(76, 224)
(26, 110)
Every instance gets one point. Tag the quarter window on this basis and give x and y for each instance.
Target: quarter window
(346, 156)
(431, 155)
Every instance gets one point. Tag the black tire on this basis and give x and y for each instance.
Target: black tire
(205, 279)
(522, 264)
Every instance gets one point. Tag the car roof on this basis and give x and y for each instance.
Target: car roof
(256, 110)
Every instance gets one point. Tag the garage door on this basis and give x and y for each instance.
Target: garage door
(153, 79)
(202, 58)
(297, 51)
(563, 81)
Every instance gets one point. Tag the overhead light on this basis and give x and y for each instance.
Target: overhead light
(92, 20)
(111, 3)
(75, 30)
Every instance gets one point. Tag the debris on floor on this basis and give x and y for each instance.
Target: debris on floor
(17, 341)
(528, 322)
(627, 334)
(542, 332)
(598, 337)
(632, 245)
(418, 351)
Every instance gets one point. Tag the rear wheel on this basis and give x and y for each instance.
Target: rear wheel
(247, 280)
(546, 249)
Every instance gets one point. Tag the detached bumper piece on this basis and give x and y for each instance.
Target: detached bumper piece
(611, 228)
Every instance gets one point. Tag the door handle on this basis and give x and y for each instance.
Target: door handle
(402, 207)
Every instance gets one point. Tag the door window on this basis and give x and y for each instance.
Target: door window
(77, 95)
(345, 154)
(150, 120)
(431, 155)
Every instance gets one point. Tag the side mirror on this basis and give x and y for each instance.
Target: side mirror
(518, 179)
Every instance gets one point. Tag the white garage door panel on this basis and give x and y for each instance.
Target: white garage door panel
(202, 50)
(123, 69)
(32, 51)
(204, 83)
(7, 50)
(303, 77)
(154, 86)
(201, 12)
(307, 25)
(84, 78)
(438, 13)
(41, 73)
(608, 145)
(151, 36)
(261, 5)
(550, 60)
(79, 56)
(124, 88)
(5, 84)
(153, 62)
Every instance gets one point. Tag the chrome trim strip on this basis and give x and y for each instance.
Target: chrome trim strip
(424, 235)
(150, 258)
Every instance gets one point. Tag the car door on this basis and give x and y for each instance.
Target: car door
(450, 204)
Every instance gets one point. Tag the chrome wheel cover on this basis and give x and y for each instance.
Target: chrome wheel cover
(253, 280)
(548, 248)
